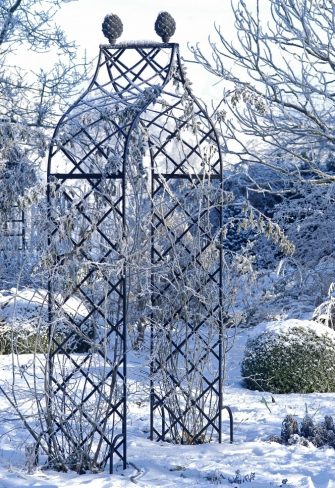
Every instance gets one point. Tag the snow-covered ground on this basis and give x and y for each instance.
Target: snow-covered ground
(251, 461)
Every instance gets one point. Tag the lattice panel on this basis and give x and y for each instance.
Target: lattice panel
(186, 257)
(87, 322)
(186, 321)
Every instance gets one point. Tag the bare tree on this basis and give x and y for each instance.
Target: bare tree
(279, 107)
(31, 98)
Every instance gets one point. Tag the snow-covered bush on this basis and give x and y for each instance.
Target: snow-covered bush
(22, 341)
(24, 322)
(292, 356)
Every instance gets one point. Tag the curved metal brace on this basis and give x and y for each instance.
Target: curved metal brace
(231, 422)
(112, 449)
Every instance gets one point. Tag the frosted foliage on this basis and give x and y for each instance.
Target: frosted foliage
(278, 113)
(325, 313)
(16, 178)
(309, 221)
(308, 432)
(292, 356)
(306, 216)
(40, 72)
(289, 428)
(279, 107)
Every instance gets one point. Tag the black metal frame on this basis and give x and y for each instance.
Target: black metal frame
(188, 173)
(138, 87)
(13, 243)
(14, 230)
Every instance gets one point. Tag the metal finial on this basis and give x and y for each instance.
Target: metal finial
(165, 26)
(112, 27)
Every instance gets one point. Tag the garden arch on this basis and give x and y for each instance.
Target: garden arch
(134, 183)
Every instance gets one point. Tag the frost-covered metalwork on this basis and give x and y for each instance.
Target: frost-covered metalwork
(13, 230)
(135, 198)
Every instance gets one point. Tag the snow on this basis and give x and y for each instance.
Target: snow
(257, 414)
(286, 328)
(162, 464)
(22, 307)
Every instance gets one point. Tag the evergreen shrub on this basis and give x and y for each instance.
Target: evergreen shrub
(22, 341)
(24, 323)
(30, 340)
(291, 356)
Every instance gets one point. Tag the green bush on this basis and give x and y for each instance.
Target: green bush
(30, 340)
(24, 323)
(296, 358)
(22, 341)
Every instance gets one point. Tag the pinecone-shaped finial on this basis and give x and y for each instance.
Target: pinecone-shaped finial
(112, 28)
(165, 26)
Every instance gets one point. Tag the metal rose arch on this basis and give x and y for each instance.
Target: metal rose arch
(135, 199)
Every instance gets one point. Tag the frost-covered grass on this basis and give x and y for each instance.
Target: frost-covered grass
(165, 465)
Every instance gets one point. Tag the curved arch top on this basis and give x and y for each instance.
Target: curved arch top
(133, 84)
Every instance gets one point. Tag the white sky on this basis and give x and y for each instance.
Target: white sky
(195, 19)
